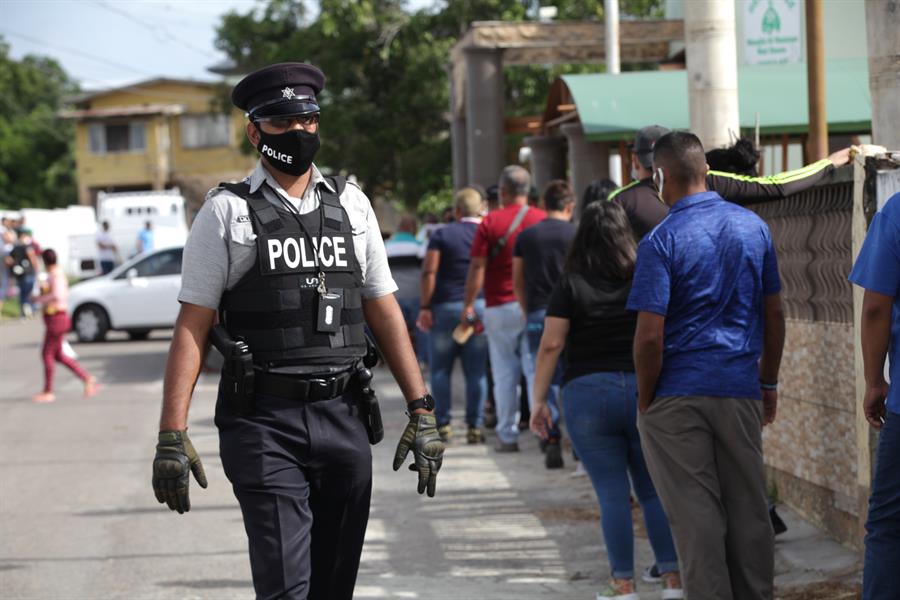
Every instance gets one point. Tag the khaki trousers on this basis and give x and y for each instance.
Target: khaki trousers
(705, 457)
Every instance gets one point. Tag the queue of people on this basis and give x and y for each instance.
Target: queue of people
(627, 333)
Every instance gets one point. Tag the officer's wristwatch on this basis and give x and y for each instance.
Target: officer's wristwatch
(426, 402)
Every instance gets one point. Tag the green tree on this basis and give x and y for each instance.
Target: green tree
(384, 110)
(37, 164)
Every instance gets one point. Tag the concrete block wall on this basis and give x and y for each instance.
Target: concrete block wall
(811, 450)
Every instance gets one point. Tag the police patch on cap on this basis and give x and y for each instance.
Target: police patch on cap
(279, 90)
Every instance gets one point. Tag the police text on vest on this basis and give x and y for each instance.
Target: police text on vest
(293, 253)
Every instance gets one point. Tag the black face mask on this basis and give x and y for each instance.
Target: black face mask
(291, 152)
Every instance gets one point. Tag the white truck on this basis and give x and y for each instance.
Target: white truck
(127, 214)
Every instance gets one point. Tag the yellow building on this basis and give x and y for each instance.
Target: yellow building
(155, 135)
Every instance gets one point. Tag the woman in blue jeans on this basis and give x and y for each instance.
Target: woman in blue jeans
(444, 272)
(587, 317)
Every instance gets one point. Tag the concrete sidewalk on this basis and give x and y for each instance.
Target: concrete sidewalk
(505, 527)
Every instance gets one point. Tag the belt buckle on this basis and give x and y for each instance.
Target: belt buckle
(322, 387)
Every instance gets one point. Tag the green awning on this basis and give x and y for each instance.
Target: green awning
(613, 107)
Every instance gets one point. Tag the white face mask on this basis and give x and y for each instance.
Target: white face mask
(659, 178)
(635, 176)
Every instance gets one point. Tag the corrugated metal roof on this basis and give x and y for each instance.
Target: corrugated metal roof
(614, 107)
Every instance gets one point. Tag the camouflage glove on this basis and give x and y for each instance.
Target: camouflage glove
(421, 436)
(175, 456)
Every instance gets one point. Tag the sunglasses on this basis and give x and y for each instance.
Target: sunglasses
(284, 123)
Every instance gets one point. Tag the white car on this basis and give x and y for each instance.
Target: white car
(139, 295)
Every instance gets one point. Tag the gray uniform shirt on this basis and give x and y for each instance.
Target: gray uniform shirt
(221, 247)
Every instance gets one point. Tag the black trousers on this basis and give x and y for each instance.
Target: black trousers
(302, 473)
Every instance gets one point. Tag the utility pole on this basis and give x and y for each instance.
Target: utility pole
(882, 25)
(613, 65)
(711, 53)
(817, 145)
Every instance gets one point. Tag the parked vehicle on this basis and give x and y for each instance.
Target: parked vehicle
(137, 297)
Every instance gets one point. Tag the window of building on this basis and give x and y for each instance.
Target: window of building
(105, 138)
(205, 131)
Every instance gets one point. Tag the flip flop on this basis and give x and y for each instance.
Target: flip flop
(94, 389)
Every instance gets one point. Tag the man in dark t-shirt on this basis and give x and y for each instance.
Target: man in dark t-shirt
(538, 259)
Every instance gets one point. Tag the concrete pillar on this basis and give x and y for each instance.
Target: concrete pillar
(882, 25)
(711, 52)
(548, 159)
(484, 115)
(613, 64)
(587, 160)
(458, 144)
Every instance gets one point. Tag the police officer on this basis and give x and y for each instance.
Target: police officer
(294, 264)
(646, 210)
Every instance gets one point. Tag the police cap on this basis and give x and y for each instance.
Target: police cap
(279, 90)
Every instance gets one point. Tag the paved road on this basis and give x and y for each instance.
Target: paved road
(78, 518)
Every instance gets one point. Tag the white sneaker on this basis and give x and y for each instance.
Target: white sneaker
(579, 471)
(651, 574)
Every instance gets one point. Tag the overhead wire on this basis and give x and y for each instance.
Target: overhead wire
(131, 69)
(156, 29)
(76, 51)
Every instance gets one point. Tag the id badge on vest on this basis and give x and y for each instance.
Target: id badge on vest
(330, 305)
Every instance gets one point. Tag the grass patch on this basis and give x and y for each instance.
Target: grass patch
(10, 309)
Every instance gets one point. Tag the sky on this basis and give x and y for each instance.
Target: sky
(107, 43)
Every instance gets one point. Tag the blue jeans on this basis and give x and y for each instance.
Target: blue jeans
(883, 525)
(473, 355)
(106, 266)
(510, 359)
(534, 331)
(410, 309)
(26, 286)
(601, 417)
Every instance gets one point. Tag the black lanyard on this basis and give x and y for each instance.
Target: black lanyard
(295, 212)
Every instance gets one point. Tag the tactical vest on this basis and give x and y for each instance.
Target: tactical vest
(275, 306)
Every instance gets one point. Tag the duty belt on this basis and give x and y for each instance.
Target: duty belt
(306, 389)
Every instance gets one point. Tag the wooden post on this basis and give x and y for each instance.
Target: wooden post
(815, 70)
(761, 166)
(784, 152)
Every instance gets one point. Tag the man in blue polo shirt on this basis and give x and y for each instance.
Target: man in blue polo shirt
(877, 269)
(707, 349)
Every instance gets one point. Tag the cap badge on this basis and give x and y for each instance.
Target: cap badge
(288, 93)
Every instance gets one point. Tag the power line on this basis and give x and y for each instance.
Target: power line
(156, 30)
(78, 52)
(122, 89)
